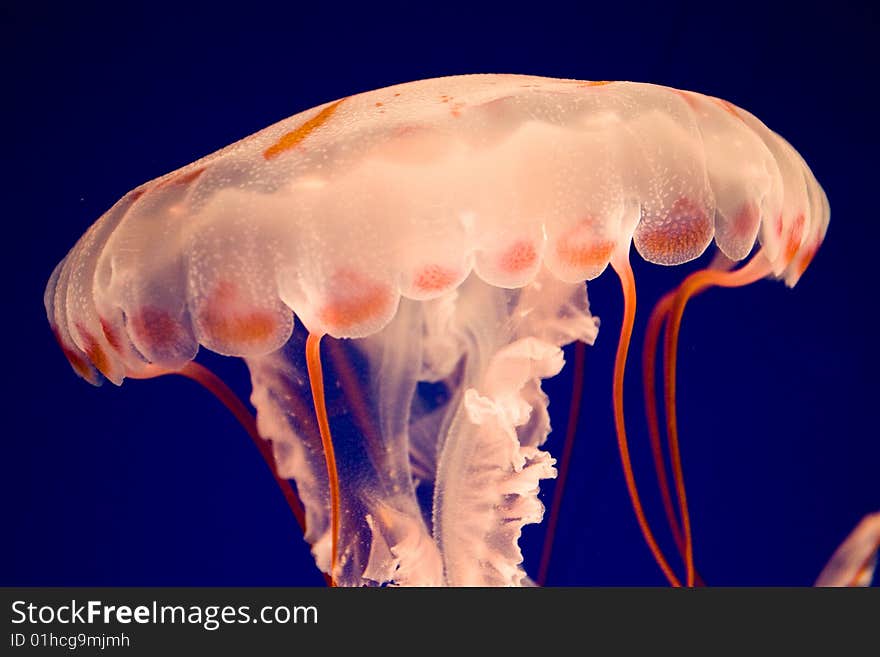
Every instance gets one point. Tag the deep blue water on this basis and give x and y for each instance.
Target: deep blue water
(154, 483)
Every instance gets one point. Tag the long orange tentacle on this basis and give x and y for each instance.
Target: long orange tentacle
(316, 381)
(758, 267)
(574, 410)
(628, 285)
(656, 323)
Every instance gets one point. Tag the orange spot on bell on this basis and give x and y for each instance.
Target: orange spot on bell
(595, 83)
(794, 238)
(682, 229)
(811, 252)
(433, 278)
(292, 139)
(94, 352)
(582, 247)
(580, 253)
(687, 97)
(518, 257)
(728, 107)
(182, 180)
(111, 335)
(746, 219)
(777, 227)
(228, 322)
(158, 328)
(355, 300)
(79, 364)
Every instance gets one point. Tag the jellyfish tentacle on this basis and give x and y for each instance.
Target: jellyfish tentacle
(316, 381)
(574, 410)
(620, 263)
(656, 323)
(757, 268)
(383, 537)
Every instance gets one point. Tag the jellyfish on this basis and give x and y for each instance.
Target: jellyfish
(400, 269)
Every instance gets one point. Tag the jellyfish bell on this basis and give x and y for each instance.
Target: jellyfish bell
(400, 270)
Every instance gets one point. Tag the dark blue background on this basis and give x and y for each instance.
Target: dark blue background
(154, 483)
